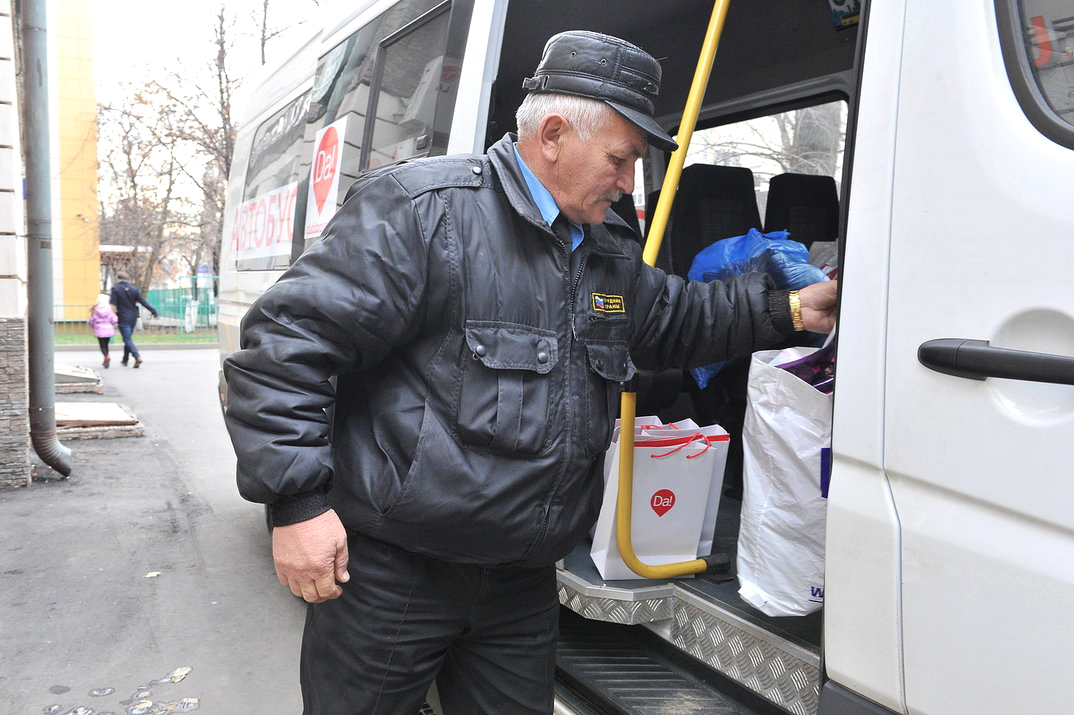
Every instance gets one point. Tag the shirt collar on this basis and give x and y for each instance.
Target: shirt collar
(544, 201)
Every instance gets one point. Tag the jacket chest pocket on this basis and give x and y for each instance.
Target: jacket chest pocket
(609, 366)
(505, 400)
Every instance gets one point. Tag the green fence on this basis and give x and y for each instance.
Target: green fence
(184, 315)
(194, 303)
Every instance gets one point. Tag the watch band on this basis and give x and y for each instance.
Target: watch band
(796, 311)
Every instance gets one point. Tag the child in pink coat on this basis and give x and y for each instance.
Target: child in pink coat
(103, 320)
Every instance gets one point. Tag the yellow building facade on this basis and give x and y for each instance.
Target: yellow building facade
(75, 227)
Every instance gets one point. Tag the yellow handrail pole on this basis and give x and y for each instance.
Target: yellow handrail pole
(657, 226)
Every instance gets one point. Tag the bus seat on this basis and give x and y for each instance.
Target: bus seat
(663, 258)
(713, 202)
(805, 205)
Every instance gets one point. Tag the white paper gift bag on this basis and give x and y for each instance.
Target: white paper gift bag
(785, 445)
(646, 425)
(642, 425)
(673, 479)
(719, 441)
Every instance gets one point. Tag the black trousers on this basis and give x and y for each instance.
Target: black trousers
(486, 635)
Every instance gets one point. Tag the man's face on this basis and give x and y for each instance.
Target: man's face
(591, 176)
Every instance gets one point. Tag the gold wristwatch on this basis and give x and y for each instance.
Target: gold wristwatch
(796, 312)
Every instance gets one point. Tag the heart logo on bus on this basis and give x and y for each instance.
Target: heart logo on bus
(324, 166)
(662, 501)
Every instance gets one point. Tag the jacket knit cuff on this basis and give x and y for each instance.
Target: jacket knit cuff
(779, 310)
(299, 507)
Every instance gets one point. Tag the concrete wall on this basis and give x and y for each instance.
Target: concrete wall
(14, 398)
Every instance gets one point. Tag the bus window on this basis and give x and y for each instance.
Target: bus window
(341, 89)
(410, 76)
(341, 96)
(731, 169)
(1038, 47)
(306, 156)
(801, 141)
(263, 226)
(1050, 41)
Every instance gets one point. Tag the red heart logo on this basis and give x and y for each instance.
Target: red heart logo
(324, 166)
(662, 501)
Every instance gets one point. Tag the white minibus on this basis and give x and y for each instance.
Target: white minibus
(928, 148)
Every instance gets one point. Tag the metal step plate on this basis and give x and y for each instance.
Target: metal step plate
(610, 666)
(778, 666)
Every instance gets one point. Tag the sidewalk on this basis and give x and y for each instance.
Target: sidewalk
(145, 563)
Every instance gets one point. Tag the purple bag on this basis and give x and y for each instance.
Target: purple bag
(817, 368)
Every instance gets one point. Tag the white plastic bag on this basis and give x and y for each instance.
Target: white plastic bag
(825, 256)
(785, 443)
(678, 478)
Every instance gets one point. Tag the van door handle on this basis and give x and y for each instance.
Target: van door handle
(977, 360)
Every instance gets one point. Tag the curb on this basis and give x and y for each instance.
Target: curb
(141, 347)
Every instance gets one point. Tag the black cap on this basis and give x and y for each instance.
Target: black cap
(589, 64)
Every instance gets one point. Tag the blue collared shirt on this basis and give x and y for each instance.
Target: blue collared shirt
(545, 203)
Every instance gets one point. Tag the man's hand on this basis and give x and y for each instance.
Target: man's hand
(818, 306)
(311, 556)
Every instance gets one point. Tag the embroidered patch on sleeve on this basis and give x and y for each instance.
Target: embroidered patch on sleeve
(608, 303)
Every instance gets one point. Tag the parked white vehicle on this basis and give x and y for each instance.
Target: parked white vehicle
(942, 134)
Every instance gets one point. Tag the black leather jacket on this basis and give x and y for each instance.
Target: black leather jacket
(477, 363)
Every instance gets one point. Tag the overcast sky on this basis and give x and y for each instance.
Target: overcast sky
(137, 40)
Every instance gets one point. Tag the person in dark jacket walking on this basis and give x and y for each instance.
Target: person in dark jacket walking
(479, 314)
(125, 298)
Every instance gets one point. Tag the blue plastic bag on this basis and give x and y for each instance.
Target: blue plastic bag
(784, 260)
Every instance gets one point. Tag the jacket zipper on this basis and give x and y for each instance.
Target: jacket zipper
(572, 337)
(576, 280)
(574, 292)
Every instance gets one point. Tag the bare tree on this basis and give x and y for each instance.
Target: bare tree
(806, 141)
(267, 32)
(811, 138)
(199, 119)
(166, 157)
(141, 209)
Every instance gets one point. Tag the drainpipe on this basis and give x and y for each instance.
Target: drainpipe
(35, 124)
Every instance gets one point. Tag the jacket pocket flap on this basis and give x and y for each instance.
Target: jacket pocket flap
(509, 346)
(610, 360)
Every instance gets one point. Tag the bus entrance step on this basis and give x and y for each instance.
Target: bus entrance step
(625, 669)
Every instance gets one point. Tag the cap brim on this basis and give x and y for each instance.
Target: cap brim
(657, 136)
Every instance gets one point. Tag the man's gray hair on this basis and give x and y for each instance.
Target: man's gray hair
(587, 116)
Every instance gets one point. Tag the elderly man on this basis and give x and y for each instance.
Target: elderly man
(478, 314)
